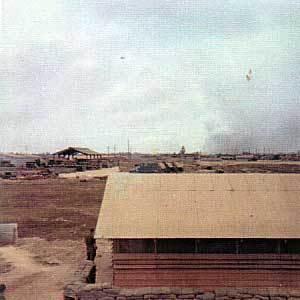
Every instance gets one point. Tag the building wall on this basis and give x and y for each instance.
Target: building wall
(104, 265)
(78, 288)
(131, 270)
(75, 291)
(206, 270)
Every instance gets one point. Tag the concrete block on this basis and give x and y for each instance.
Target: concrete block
(108, 298)
(186, 296)
(261, 297)
(247, 296)
(222, 298)
(8, 233)
(206, 296)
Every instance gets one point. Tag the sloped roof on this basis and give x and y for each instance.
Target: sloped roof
(200, 206)
(76, 150)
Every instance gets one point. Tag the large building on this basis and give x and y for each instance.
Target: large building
(200, 230)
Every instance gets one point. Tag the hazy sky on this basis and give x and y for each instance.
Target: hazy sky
(182, 80)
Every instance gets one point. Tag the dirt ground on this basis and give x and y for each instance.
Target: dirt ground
(227, 166)
(53, 216)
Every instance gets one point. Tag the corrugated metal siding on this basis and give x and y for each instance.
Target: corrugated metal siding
(85, 151)
(207, 271)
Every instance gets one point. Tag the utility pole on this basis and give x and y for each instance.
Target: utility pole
(114, 150)
(128, 148)
(107, 150)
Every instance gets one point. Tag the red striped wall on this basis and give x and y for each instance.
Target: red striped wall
(207, 271)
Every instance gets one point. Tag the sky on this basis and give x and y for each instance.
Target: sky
(161, 74)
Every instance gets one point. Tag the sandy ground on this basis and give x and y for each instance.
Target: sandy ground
(39, 269)
(260, 166)
(53, 216)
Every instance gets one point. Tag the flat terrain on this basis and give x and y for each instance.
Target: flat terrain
(51, 208)
(53, 216)
(228, 166)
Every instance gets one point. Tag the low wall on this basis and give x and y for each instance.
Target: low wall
(79, 289)
(97, 292)
(8, 233)
(80, 280)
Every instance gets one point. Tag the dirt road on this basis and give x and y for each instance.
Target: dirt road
(38, 274)
(53, 216)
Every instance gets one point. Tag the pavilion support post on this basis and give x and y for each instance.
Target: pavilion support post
(104, 264)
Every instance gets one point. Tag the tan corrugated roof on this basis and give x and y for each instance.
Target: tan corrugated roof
(200, 206)
(73, 150)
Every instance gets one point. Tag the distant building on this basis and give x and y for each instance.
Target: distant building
(71, 152)
(20, 160)
(160, 167)
(228, 157)
(150, 168)
(78, 157)
(246, 157)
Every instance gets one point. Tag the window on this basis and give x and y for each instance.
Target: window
(216, 246)
(134, 246)
(176, 246)
(252, 246)
(291, 246)
(208, 246)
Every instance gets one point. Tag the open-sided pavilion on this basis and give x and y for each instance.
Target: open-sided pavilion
(73, 151)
